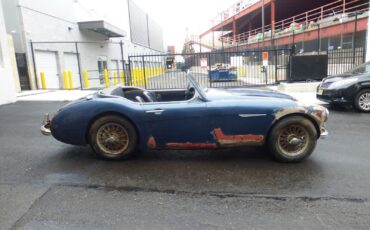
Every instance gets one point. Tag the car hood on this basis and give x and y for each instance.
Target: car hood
(240, 93)
(335, 78)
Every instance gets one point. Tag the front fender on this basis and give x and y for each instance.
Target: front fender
(70, 125)
(316, 113)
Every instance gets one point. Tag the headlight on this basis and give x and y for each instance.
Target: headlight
(342, 83)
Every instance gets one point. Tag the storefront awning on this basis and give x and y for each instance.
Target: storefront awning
(102, 27)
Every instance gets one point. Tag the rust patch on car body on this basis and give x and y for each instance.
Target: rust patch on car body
(189, 145)
(237, 140)
(221, 140)
(152, 144)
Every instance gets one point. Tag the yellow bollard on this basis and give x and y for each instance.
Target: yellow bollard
(122, 76)
(106, 78)
(140, 77)
(114, 78)
(65, 80)
(43, 80)
(135, 77)
(70, 77)
(86, 78)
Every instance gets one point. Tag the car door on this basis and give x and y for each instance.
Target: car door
(177, 125)
(237, 123)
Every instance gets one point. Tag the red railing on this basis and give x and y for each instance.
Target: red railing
(323, 15)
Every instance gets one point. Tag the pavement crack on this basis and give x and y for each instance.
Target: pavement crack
(35, 201)
(221, 195)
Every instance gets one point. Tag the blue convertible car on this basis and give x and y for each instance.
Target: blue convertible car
(116, 122)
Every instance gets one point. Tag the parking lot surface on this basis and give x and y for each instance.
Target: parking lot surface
(45, 184)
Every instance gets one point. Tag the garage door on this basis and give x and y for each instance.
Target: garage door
(71, 64)
(46, 62)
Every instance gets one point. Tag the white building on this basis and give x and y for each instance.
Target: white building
(7, 86)
(54, 27)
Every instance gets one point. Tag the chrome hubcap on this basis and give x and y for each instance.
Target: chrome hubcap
(293, 140)
(112, 138)
(364, 101)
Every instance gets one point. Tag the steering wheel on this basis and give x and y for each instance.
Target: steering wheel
(190, 91)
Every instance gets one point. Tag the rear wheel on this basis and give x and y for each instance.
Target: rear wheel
(362, 101)
(113, 137)
(292, 139)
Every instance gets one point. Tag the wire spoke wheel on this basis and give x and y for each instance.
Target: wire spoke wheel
(364, 101)
(112, 138)
(293, 140)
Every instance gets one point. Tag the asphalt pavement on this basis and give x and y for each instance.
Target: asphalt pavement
(45, 184)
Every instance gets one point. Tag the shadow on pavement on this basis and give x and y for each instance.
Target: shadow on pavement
(240, 171)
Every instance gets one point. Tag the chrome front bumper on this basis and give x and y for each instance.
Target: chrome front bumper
(45, 128)
(324, 133)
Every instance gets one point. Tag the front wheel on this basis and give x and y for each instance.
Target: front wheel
(113, 137)
(292, 139)
(362, 101)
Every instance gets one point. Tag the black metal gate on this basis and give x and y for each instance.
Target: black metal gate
(212, 69)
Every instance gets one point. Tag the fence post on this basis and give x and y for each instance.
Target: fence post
(79, 64)
(122, 57)
(354, 42)
(209, 70)
(34, 64)
(265, 68)
(318, 38)
(144, 72)
(129, 75)
(276, 59)
(289, 77)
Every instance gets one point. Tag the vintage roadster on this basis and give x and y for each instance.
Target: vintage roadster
(117, 122)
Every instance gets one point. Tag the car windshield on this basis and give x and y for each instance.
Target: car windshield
(196, 86)
(364, 68)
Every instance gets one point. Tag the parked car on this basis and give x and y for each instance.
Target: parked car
(116, 122)
(350, 88)
(223, 72)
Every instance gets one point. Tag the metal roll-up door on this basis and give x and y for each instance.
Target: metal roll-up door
(46, 61)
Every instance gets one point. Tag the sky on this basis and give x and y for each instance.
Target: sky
(173, 15)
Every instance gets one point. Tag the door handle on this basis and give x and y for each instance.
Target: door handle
(155, 111)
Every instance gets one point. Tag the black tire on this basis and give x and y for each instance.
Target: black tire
(113, 138)
(359, 103)
(296, 146)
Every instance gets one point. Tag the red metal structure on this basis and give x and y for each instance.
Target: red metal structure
(287, 22)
